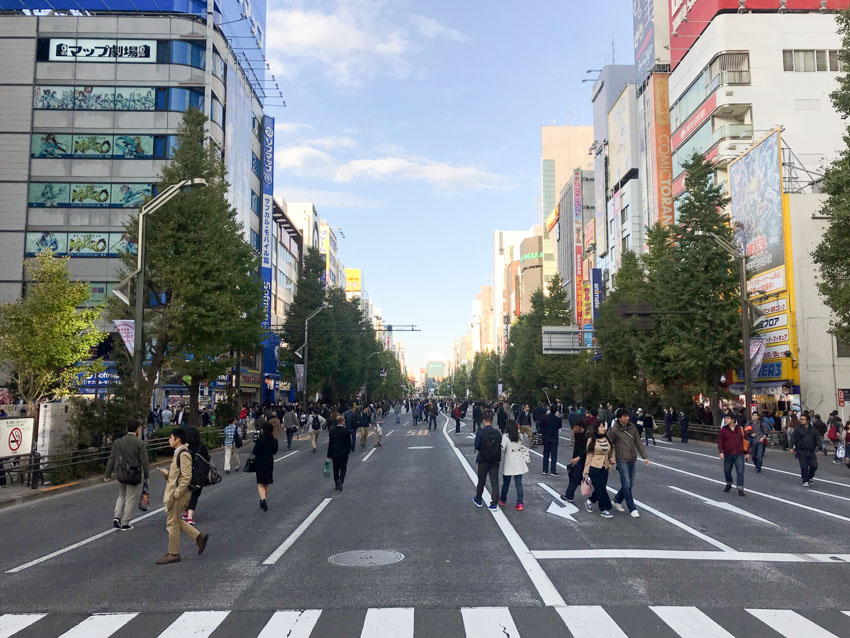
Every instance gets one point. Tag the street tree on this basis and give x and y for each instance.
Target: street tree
(200, 271)
(831, 255)
(47, 337)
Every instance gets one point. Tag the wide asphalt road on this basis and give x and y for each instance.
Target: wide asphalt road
(698, 563)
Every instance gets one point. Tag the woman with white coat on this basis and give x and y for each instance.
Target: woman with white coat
(515, 465)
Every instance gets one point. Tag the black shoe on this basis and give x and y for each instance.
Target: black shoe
(741, 491)
(554, 474)
(545, 473)
(126, 528)
(564, 497)
(728, 487)
(116, 523)
(263, 505)
(340, 486)
(314, 451)
(227, 471)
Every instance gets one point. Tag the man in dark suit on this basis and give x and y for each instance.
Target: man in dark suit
(339, 447)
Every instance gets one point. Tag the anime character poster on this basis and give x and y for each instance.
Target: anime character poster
(90, 194)
(48, 194)
(133, 146)
(51, 145)
(130, 195)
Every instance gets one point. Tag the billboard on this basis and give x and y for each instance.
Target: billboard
(353, 280)
(622, 136)
(61, 145)
(87, 195)
(578, 230)
(644, 32)
(552, 218)
(81, 244)
(660, 153)
(271, 341)
(755, 189)
(96, 50)
(600, 201)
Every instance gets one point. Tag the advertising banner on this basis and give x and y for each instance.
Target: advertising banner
(97, 146)
(39, 242)
(91, 50)
(695, 121)
(130, 195)
(755, 188)
(60, 145)
(138, 98)
(660, 154)
(621, 135)
(299, 376)
(552, 218)
(266, 245)
(78, 244)
(54, 97)
(579, 286)
(600, 204)
(51, 145)
(94, 98)
(16, 436)
(90, 194)
(589, 232)
(88, 244)
(598, 294)
(353, 280)
(49, 194)
(644, 32)
(618, 231)
(133, 146)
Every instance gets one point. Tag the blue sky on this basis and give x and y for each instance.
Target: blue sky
(415, 126)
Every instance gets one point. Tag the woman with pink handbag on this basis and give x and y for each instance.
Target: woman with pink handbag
(600, 458)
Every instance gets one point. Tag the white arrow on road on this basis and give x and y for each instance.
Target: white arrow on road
(558, 508)
(723, 506)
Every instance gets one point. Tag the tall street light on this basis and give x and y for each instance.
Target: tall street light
(148, 207)
(741, 258)
(307, 344)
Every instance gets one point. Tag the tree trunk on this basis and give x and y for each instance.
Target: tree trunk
(715, 400)
(194, 389)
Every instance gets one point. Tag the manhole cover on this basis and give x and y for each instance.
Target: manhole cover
(366, 558)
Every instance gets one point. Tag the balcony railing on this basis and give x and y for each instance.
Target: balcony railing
(732, 131)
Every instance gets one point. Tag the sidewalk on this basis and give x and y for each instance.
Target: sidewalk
(17, 494)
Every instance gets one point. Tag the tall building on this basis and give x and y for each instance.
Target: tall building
(90, 103)
(506, 251)
(329, 247)
(306, 219)
(575, 227)
(563, 148)
(485, 298)
(530, 269)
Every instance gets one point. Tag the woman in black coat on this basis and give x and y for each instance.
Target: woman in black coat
(264, 450)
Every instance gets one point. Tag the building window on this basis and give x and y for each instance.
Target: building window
(843, 349)
(624, 214)
(809, 61)
(255, 203)
(217, 111)
(256, 166)
(255, 240)
(188, 53)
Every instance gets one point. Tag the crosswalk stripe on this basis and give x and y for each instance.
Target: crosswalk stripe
(99, 626)
(690, 622)
(790, 624)
(293, 624)
(486, 622)
(388, 623)
(10, 624)
(589, 621)
(194, 624)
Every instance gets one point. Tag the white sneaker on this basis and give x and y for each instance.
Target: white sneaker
(588, 505)
(607, 514)
(619, 507)
(635, 514)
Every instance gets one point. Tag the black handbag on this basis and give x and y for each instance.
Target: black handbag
(127, 474)
(214, 476)
(237, 440)
(251, 464)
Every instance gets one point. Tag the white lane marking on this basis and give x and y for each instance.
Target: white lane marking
(420, 447)
(10, 624)
(589, 622)
(289, 542)
(370, 453)
(388, 433)
(670, 554)
(843, 498)
(293, 624)
(286, 456)
(547, 590)
(487, 622)
(665, 442)
(667, 518)
(78, 544)
(790, 624)
(194, 624)
(388, 623)
(690, 622)
(559, 507)
(749, 491)
(99, 626)
(723, 506)
(681, 525)
(769, 469)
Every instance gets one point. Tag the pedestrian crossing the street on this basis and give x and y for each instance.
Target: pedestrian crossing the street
(469, 622)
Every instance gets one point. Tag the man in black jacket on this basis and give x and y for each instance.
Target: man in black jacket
(805, 441)
(488, 444)
(548, 425)
(128, 453)
(577, 463)
(339, 447)
(476, 417)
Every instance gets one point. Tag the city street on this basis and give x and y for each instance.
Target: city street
(697, 563)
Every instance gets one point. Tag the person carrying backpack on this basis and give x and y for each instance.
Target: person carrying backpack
(488, 444)
(200, 471)
(317, 422)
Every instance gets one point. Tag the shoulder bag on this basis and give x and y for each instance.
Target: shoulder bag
(251, 464)
(127, 474)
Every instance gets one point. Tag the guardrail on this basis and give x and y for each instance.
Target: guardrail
(30, 469)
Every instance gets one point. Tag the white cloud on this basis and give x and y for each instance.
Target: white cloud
(290, 128)
(439, 174)
(430, 28)
(303, 160)
(351, 43)
(331, 143)
(322, 198)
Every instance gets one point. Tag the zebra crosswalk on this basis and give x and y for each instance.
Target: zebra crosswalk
(469, 622)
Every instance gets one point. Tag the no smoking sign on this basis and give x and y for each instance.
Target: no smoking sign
(16, 436)
(15, 439)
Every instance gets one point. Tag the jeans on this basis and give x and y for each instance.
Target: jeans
(738, 461)
(353, 434)
(576, 471)
(340, 467)
(398, 417)
(550, 450)
(476, 425)
(808, 464)
(289, 434)
(457, 426)
(599, 478)
(483, 470)
(506, 483)
(626, 469)
(758, 455)
(125, 504)
(432, 419)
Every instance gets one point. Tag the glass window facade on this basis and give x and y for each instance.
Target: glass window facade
(111, 98)
(810, 61)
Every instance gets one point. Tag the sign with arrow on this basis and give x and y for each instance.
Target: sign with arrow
(558, 507)
(723, 506)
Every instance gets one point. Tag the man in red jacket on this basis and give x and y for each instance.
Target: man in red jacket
(730, 443)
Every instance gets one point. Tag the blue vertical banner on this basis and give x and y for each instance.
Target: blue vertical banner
(267, 246)
(596, 291)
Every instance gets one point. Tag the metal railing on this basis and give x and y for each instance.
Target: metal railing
(30, 469)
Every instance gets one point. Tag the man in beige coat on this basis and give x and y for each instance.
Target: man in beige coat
(176, 498)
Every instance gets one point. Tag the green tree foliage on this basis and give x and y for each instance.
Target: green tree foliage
(831, 254)
(197, 257)
(46, 337)
(460, 381)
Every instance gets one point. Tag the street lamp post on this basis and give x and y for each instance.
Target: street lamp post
(741, 258)
(307, 345)
(149, 207)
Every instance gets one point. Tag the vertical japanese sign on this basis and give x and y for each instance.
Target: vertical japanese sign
(578, 227)
(661, 160)
(267, 238)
